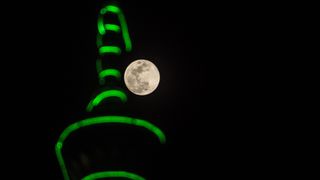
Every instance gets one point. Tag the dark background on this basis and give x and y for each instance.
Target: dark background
(212, 101)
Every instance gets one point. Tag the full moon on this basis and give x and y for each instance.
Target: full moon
(141, 77)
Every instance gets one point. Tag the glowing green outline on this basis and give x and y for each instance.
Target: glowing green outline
(110, 8)
(100, 24)
(102, 120)
(109, 49)
(107, 27)
(109, 72)
(112, 27)
(124, 28)
(106, 94)
(113, 174)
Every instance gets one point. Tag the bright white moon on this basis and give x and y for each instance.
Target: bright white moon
(141, 77)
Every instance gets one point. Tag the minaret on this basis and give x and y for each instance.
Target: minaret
(92, 148)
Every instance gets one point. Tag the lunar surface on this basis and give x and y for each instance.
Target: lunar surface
(141, 77)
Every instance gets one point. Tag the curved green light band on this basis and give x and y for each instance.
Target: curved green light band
(110, 8)
(113, 174)
(125, 33)
(124, 28)
(102, 120)
(112, 27)
(106, 94)
(109, 49)
(109, 72)
(107, 27)
(101, 27)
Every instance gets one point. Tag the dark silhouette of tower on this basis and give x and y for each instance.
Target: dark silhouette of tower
(114, 140)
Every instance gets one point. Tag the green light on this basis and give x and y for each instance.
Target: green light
(125, 33)
(109, 49)
(101, 29)
(112, 27)
(109, 72)
(113, 174)
(102, 120)
(59, 145)
(123, 23)
(111, 9)
(106, 94)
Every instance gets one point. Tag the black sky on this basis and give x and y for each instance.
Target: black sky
(210, 56)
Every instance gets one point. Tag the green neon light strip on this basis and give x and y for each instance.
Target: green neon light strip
(125, 33)
(102, 120)
(107, 27)
(113, 174)
(123, 23)
(109, 50)
(109, 72)
(110, 8)
(106, 94)
(101, 27)
(112, 27)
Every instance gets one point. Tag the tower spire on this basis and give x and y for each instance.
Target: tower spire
(113, 40)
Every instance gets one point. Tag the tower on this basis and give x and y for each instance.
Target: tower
(107, 144)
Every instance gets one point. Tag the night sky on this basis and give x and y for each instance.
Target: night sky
(210, 57)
